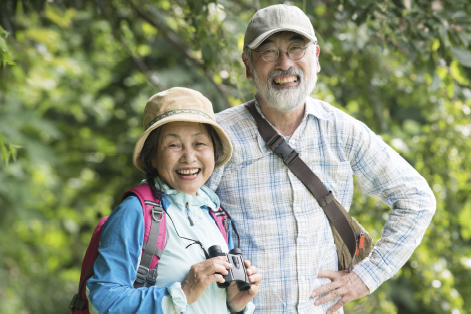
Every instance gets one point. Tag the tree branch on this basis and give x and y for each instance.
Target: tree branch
(175, 41)
(152, 79)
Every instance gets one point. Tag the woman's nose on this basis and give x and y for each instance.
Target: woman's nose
(188, 155)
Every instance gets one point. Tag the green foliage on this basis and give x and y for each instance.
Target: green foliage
(71, 110)
(7, 149)
(4, 52)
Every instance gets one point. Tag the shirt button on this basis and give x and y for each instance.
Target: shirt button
(300, 240)
(303, 278)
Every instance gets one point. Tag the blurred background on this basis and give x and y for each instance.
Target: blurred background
(75, 77)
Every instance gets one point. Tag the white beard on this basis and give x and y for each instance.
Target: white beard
(288, 98)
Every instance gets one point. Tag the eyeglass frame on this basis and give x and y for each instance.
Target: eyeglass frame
(287, 53)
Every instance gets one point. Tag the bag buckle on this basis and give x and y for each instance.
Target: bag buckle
(72, 304)
(76, 303)
(141, 275)
(283, 150)
(159, 211)
(146, 275)
(152, 277)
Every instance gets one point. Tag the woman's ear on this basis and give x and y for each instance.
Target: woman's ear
(154, 163)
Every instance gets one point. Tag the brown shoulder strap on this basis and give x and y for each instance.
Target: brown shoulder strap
(323, 196)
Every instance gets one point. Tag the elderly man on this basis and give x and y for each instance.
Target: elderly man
(282, 228)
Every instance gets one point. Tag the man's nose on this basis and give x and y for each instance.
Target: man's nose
(284, 62)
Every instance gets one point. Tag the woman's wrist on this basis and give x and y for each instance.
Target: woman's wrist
(235, 309)
(184, 287)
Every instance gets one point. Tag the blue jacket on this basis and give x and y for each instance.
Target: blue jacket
(111, 287)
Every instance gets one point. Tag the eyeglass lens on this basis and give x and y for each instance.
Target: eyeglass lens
(295, 52)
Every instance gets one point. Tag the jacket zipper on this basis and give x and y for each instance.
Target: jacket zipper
(188, 215)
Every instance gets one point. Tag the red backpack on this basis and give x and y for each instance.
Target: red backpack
(154, 241)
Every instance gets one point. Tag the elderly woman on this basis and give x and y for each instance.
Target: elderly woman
(178, 152)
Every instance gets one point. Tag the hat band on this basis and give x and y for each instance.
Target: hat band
(177, 111)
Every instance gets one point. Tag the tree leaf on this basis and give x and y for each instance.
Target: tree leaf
(4, 150)
(435, 82)
(463, 55)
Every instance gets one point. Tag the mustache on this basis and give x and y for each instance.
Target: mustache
(290, 71)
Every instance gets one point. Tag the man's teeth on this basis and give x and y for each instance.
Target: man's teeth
(192, 171)
(284, 80)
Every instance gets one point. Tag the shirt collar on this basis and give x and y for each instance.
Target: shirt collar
(314, 107)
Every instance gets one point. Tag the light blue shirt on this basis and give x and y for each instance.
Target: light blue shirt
(111, 287)
(282, 228)
(176, 259)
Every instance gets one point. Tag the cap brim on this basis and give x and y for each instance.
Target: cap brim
(255, 43)
(186, 117)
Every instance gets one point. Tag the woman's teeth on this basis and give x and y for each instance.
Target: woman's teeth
(284, 80)
(190, 172)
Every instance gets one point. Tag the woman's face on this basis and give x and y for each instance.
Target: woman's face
(185, 156)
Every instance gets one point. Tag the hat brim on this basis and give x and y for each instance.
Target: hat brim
(185, 117)
(255, 43)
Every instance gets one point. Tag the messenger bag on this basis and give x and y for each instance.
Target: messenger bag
(352, 241)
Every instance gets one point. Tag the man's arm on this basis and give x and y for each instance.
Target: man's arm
(383, 173)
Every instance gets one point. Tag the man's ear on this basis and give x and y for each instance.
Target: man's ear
(318, 51)
(248, 70)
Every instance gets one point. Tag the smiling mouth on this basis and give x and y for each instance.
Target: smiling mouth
(188, 173)
(285, 80)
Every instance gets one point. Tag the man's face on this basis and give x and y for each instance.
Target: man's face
(285, 83)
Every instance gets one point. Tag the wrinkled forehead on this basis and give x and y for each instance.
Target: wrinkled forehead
(284, 37)
(183, 129)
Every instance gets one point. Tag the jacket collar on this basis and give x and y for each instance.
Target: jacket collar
(204, 196)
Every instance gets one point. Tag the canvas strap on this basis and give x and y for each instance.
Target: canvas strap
(324, 197)
(144, 274)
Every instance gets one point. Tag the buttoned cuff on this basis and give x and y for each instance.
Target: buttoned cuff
(370, 274)
(178, 297)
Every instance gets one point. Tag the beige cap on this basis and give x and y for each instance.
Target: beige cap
(277, 18)
(180, 104)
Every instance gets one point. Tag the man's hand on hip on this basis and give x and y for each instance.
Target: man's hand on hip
(348, 286)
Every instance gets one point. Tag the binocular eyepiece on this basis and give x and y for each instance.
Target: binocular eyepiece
(237, 273)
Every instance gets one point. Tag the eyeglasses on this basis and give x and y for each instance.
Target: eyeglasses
(294, 52)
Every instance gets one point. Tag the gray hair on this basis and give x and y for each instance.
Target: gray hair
(149, 150)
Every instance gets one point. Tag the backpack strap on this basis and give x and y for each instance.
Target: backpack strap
(222, 222)
(324, 197)
(79, 303)
(154, 234)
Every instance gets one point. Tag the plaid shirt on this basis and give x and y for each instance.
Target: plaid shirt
(283, 230)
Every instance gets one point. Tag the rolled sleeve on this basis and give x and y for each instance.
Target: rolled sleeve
(176, 301)
(383, 173)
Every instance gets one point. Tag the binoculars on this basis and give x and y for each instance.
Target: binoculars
(237, 273)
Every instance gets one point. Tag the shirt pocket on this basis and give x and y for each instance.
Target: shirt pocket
(248, 148)
(337, 176)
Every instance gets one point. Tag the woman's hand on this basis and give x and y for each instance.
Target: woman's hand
(202, 275)
(236, 300)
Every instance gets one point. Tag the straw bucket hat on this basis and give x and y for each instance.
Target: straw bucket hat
(180, 104)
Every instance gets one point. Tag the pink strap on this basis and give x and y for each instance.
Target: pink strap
(219, 221)
(144, 192)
